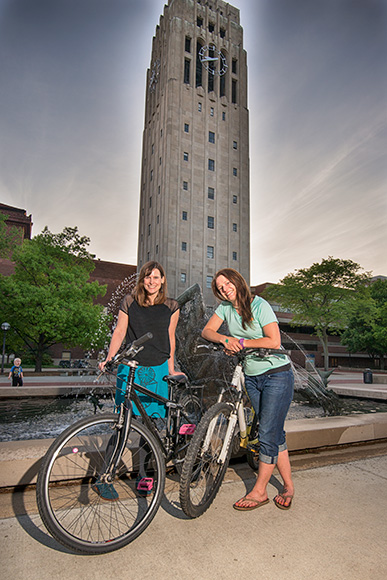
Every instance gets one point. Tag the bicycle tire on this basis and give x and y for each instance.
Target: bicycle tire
(192, 407)
(77, 515)
(202, 475)
(251, 455)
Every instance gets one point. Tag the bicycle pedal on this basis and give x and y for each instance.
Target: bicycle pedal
(187, 429)
(253, 446)
(145, 484)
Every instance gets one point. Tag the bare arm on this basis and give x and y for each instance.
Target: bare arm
(117, 338)
(271, 338)
(172, 341)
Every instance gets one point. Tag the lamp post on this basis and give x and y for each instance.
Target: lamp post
(4, 327)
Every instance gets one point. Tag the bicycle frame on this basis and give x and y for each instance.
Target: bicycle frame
(125, 417)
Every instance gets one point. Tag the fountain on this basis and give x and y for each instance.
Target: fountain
(26, 419)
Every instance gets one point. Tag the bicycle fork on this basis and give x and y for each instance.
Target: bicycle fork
(118, 440)
(236, 415)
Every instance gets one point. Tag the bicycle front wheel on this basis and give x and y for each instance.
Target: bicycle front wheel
(81, 511)
(203, 473)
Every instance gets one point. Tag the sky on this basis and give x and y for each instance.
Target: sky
(72, 96)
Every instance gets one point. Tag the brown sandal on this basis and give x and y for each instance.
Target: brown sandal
(284, 495)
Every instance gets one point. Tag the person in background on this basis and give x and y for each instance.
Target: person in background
(268, 382)
(16, 373)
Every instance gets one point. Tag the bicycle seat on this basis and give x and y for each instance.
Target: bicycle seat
(175, 378)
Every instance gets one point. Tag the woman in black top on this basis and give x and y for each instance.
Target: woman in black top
(148, 309)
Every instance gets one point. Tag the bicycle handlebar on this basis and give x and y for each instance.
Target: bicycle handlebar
(130, 352)
(258, 351)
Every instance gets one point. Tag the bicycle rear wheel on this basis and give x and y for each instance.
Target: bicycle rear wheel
(202, 473)
(85, 514)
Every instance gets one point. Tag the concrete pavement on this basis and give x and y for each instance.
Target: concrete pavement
(336, 529)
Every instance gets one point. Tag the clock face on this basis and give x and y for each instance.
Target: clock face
(154, 75)
(213, 60)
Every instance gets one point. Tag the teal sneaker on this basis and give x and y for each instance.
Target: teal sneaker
(106, 491)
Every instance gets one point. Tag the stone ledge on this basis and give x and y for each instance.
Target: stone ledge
(20, 460)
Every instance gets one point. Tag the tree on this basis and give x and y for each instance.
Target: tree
(319, 296)
(49, 298)
(367, 324)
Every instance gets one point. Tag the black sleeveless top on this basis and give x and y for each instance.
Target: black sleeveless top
(154, 319)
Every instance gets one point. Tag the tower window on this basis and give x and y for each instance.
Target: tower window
(199, 107)
(235, 199)
(235, 145)
(183, 277)
(211, 27)
(210, 222)
(210, 252)
(150, 201)
(187, 44)
(199, 68)
(223, 116)
(187, 67)
(185, 156)
(185, 185)
(149, 229)
(212, 111)
(184, 216)
(211, 193)
(151, 175)
(208, 281)
(211, 137)
(186, 128)
(211, 165)
(222, 33)
(234, 256)
(157, 248)
(234, 66)
(183, 246)
(235, 172)
(234, 227)
(234, 91)
(199, 21)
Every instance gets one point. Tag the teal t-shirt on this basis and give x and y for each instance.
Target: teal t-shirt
(262, 315)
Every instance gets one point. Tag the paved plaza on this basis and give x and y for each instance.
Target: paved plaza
(336, 529)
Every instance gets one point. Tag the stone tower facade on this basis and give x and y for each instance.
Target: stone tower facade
(194, 203)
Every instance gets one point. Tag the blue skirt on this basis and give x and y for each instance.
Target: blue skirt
(149, 377)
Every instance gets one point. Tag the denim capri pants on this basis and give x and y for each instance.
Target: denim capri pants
(270, 396)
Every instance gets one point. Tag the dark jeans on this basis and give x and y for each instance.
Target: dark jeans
(270, 396)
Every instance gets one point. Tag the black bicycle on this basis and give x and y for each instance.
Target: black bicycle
(102, 480)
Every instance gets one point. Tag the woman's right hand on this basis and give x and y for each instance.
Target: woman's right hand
(231, 344)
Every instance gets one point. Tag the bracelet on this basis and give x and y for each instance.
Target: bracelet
(241, 342)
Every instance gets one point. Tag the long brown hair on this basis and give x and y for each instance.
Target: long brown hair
(243, 293)
(139, 292)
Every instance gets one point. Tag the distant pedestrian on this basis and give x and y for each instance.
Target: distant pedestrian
(16, 373)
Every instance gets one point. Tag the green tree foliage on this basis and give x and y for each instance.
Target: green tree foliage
(319, 296)
(49, 298)
(10, 237)
(367, 324)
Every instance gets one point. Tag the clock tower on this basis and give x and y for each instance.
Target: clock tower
(194, 202)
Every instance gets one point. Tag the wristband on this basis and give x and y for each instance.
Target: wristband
(241, 342)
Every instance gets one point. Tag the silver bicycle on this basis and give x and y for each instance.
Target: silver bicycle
(225, 427)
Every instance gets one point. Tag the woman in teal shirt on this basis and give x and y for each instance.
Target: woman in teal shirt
(269, 381)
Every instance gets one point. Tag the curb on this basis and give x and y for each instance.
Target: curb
(20, 460)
